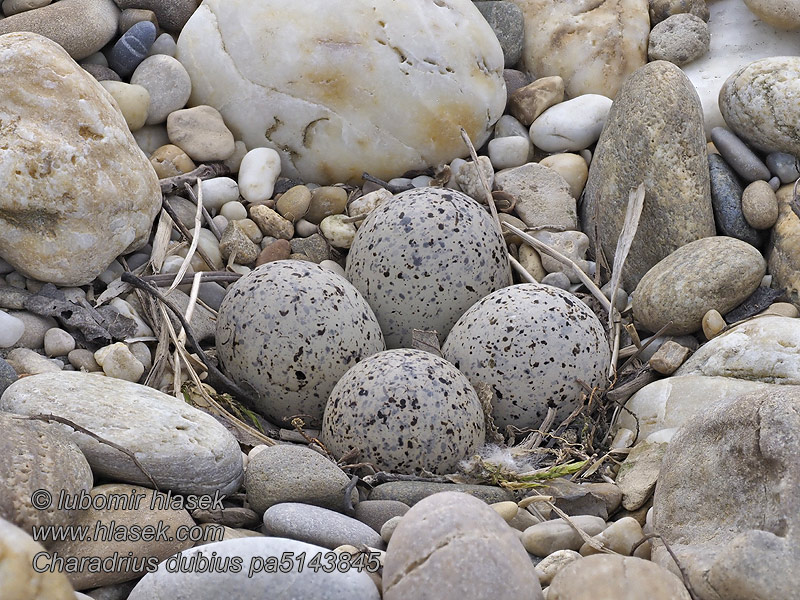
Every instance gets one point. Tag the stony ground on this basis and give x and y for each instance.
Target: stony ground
(404, 300)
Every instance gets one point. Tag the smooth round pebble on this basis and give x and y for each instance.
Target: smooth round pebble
(508, 152)
(339, 233)
(293, 203)
(785, 166)
(119, 362)
(741, 159)
(571, 125)
(258, 173)
(317, 525)
(233, 211)
(679, 39)
(332, 266)
(405, 410)
(201, 133)
(547, 537)
(536, 346)
(168, 84)
(133, 102)
(304, 228)
(549, 567)
(132, 48)
(325, 201)
(217, 192)
(760, 205)
(164, 44)
(713, 324)
(289, 330)
(58, 342)
(572, 167)
(169, 161)
(783, 309)
(83, 360)
(11, 330)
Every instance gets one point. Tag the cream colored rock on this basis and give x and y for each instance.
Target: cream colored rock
(339, 233)
(300, 86)
(293, 204)
(77, 191)
(201, 133)
(592, 46)
(118, 361)
(368, 202)
(572, 125)
(258, 172)
(619, 536)
(532, 262)
(133, 101)
(572, 167)
(760, 99)
(547, 537)
(553, 563)
(781, 14)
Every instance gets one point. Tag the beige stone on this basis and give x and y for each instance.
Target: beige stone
(201, 133)
(669, 356)
(712, 324)
(326, 201)
(572, 167)
(77, 191)
(760, 205)
(654, 135)
(169, 161)
(783, 254)
(293, 204)
(271, 223)
(18, 580)
(592, 46)
(132, 100)
(301, 88)
(782, 309)
(663, 9)
(619, 536)
(781, 14)
(532, 262)
(530, 101)
(543, 197)
(547, 537)
(638, 474)
(236, 242)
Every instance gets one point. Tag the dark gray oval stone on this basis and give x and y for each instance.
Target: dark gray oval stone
(726, 199)
(132, 48)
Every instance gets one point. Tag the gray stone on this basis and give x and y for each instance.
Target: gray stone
(320, 526)
(506, 20)
(168, 84)
(35, 328)
(118, 591)
(784, 248)
(785, 166)
(736, 153)
(184, 449)
(440, 549)
(101, 73)
(288, 473)
(679, 39)
(514, 80)
(638, 474)
(35, 457)
(81, 27)
(726, 499)
(13, 297)
(204, 323)
(543, 197)
(711, 273)
(7, 375)
(663, 9)
(726, 199)
(574, 498)
(27, 362)
(375, 513)
(276, 584)
(315, 247)
(171, 14)
(547, 537)
(411, 492)
(131, 49)
(654, 134)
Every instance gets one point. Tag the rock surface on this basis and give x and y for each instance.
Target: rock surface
(78, 191)
(183, 448)
(653, 135)
(732, 547)
(783, 256)
(316, 525)
(592, 46)
(306, 99)
(443, 544)
(781, 14)
(543, 197)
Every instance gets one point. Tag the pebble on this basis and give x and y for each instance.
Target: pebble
(784, 166)
(333, 267)
(304, 229)
(271, 223)
(638, 475)
(314, 248)
(58, 342)
(572, 167)
(151, 137)
(530, 101)
(7, 375)
(572, 244)
(201, 133)
(669, 357)
(421, 181)
(445, 540)
(736, 153)
(388, 528)
(507, 126)
(164, 44)
(236, 245)
(169, 161)
(662, 9)
(338, 233)
(250, 229)
(619, 536)
(532, 263)
(783, 309)
(509, 152)
(326, 201)
(411, 492)
(547, 537)
(376, 513)
(713, 324)
(167, 82)
(131, 16)
(514, 79)
(172, 14)
(294, 203)
(679, 39)
(83, 360)
(760, 205)
(544, 200)
(11, 330)
(140, 349)
(258, 172)
(233, 211)
(13, 7)
(505, 19)
(133, 101)
(469, 181)
(572, 125)
(319, 526)
(35, 328)
(171, 439)
(277, 250)
(783, 15)
(217, 192)
(131, 49)
(549, 567)
(101, 73)
(119, 362)
(28, 362)
(726, 200)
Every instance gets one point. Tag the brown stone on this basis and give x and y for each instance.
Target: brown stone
(530, 101)
(271, 223)
(169, 161)
(326, 201)
(277, 250)
(669, 356)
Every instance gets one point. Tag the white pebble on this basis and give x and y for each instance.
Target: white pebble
(332, 266)
(11, 329)
(172, 264)
(507, 126)
(233, 211)
(258, 173)
(508, 152)
(58, 342)
(217, 192)
(304, 229)
(133, 102)
(221, 221)
(338, 233)
(209, 244)
(572, 125)
(164, 44)
(421, 181)
(112, 272)
(400, 182)
(368, 202)
(119, 362)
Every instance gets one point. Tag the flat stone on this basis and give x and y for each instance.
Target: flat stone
(235, 584)
(638, 474)
(291, 88)
(27, 362)
(726, 199)
(574, 498)
(201, 133)
(443, 542)
(183, 448)
(592, 47)
(320, 526)
(572, 125)
(507, 22)
(289, 473)
(679, 39)
(653, 135)
(81, 27)
(543, 197)
(411, 492)
(747, 165)
(66, 145)
(712, 273)
(547, 537)
(730, 546)
(763, 349)
(758, 100)
(375, 513)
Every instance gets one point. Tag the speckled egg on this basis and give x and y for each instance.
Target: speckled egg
(424, 257)
(405, 410)
(289, 330)
(533, 344)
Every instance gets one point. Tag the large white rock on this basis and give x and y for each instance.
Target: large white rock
(738, 37)
(339, 87)
(572, 125)
(77, 191)
(184, 449)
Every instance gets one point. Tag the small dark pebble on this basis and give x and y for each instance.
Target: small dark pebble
(131, 49)
(726, 200)
(759, 300)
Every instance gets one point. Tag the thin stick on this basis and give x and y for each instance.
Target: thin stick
(185, 233)
(485, 184)
(523, 272)
(56, 419)
(542, 247)
(165, 279)
(612, 367)
(205, 171)
(211, 225)
(187, 260)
